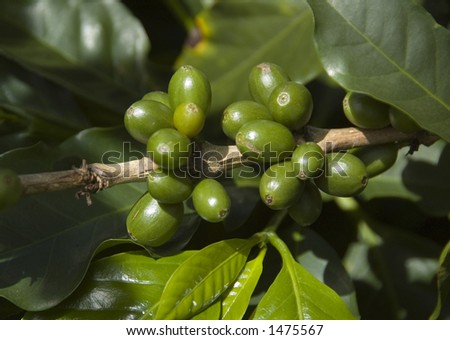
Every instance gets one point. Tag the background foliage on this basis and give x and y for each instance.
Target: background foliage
(69, 70)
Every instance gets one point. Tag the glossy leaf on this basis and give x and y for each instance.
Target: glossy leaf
(16, 139)
(391, 50)
(443, 280)
(298, 295)
(121, 286)
(281, 301)
(243, 203)
(93, 48)
(236, 299)
(49, 109)
(48, 240)
(236, 35)
(203, 278)
(211, 313)
(421, 178)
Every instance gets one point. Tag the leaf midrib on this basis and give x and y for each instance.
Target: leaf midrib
(256, 53)
(290, 267)
(390, 60)
(211, 273)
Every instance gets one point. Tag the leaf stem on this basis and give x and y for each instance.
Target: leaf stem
(275, 221)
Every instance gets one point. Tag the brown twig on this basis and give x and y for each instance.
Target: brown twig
(210, 159)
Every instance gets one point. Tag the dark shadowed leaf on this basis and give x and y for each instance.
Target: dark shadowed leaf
(443, 280)
(243, 203)
(391, 50)
(47, 240)
(46, 108)
(421, 178)
(94, 48)
(393, 272)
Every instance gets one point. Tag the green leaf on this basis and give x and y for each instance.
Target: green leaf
(48, 240)
(236, 299)
(236, 35)
(121, 286)
(48, 107)
(100, 145)
(298, 295)
(443, 280)
(391, 50)
(94, 48)
(421, 178)
(319, 258)
(211, 313)
(199, 281)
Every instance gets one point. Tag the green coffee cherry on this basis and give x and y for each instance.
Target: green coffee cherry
(365, 112)
(402, 122)
(10, 188)
(291, 105)
(241, 112)
(189, 119)
(345, 175)
(308, 159)
(144, 117)
(158, 96)
(279, 187)
(169, 187)
(151, 223)
(377, 158)
(211, 200)
(265, 141)
(169, 148)
(189, 85)
(263, 79)
(308, 207)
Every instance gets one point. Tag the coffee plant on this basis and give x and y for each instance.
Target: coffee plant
(224, 159)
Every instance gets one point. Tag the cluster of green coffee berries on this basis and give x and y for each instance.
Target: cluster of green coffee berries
(167, 122)
(295, 173)
(264, 129)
